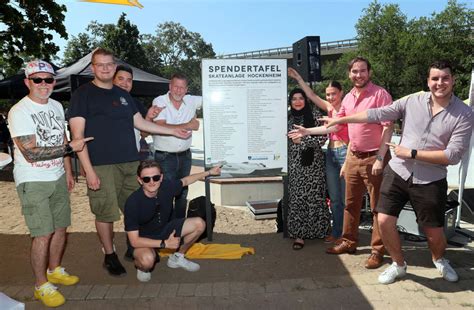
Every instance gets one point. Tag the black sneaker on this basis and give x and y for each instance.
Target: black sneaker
(113, 265)
(128, 256)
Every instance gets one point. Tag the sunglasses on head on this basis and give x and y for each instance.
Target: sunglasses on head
(39, 80)
(155, 178)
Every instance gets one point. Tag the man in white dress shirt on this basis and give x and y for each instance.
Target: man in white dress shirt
(174, 154)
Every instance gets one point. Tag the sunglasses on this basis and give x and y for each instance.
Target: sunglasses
(40, 80)
(155, 178)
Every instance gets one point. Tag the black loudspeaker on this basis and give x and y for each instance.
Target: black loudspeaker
(467, 207)
(307, 58)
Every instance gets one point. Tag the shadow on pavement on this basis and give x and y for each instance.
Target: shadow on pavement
(330, 278)
(274, 261)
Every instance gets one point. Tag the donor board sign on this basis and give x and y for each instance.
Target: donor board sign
(245, 115)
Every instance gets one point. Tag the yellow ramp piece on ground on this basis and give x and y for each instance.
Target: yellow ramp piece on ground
(214, 251)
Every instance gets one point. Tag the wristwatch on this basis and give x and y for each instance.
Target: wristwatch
(162, 244)
(413, 153)
(379, 158)
(68, 149)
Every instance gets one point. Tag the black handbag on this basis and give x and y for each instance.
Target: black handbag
(197, 208)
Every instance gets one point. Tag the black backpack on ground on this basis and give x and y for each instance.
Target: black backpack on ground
(197, 208)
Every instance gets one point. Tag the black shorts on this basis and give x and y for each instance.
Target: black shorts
(428, 200)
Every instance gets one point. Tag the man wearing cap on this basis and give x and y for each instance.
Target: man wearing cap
(108, 113)
(43, 177)
(174, 155)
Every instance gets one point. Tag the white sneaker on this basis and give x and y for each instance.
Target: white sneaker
(446, 270)
(143, 276)
(179, 261)
(392, 272)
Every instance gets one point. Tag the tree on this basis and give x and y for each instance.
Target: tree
(453, 38)
(28, 25)
(78, 47)
(123, 39)
(380, 31)
(401, 50)
(337, 71)
(180, 50)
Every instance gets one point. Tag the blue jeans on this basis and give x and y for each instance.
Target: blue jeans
(176, 166)
(336, 187)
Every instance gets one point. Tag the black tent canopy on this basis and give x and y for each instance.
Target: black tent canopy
(69, 78)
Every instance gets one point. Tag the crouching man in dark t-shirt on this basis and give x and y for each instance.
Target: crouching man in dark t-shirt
(149, 223)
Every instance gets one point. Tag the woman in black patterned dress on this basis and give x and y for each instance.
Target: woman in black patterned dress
(308, 214)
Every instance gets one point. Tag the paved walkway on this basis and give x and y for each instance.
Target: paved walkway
(418, 291)
(265, 280)
(276, 277)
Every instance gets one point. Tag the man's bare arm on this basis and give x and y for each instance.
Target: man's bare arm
(377, 167)
(141, 124)
(190, 179)
(193, 124)
(32, 152)
(78, 125)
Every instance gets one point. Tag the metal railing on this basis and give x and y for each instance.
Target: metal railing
(339, 44)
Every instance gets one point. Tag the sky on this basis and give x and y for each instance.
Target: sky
(234, 26)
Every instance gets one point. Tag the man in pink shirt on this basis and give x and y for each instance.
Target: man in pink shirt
(366, 157)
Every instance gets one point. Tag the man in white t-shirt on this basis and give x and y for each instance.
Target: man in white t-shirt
(43, 177)
(174, 154)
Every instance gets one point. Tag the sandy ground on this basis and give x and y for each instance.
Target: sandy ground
(229, 220)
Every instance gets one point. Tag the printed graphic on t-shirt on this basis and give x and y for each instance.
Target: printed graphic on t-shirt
(49, 128)
(123, 101)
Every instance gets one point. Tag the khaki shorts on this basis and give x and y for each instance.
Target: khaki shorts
(117, 182)
(45, 206)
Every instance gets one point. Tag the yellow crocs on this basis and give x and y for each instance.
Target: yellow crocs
(60, 276)
(49, 295)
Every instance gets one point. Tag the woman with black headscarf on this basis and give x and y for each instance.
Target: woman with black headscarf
(308, 214)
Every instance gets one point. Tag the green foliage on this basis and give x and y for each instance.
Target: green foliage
(380, 31)
(180, 50)
(28, 25)
(173, 49)
(400, 50)
(337, 71)
(123, 39)
(78, 47)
